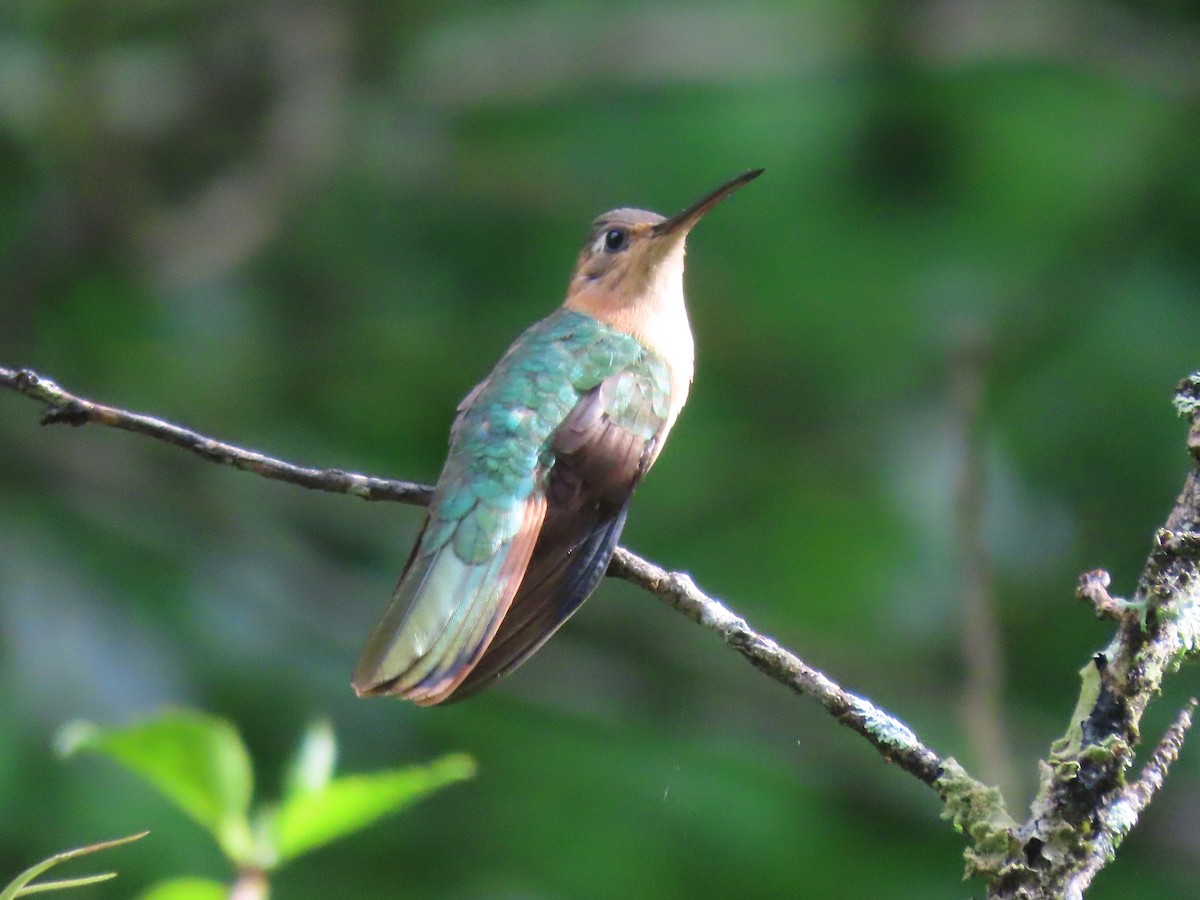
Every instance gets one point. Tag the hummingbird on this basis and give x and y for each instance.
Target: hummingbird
(545, 454)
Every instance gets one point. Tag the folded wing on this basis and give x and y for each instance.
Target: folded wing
(601, 453)
(524, 521)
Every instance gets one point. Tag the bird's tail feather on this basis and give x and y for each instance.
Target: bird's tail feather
(443, 615)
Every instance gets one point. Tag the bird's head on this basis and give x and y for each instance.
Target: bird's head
(632, 256)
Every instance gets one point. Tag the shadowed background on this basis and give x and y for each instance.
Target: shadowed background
(311, 227)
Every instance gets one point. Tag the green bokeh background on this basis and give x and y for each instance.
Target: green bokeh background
(310, 227)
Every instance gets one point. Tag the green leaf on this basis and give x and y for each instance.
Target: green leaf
(312, 766)
(310, 819)
(197, 761)
(186, 889)
(22, 885)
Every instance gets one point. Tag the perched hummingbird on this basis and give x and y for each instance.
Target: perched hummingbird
(544, 457)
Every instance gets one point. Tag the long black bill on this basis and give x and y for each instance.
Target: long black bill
(683, 221)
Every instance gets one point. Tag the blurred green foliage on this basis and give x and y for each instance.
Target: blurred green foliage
(200, 764)
(311, 227)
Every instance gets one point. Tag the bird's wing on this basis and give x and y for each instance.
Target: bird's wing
(543, 457)
(602, 450)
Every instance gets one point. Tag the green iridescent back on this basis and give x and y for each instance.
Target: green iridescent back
(500, 447)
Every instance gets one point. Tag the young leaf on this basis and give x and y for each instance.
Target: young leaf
(312, 766)
(350, 803)
(186, 889)
(22, 885)
(197, 761)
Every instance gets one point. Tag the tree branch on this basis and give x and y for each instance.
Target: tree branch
(893, 739)
(1122, 812)
(64, 407)
(1084, 807)
(983, 654)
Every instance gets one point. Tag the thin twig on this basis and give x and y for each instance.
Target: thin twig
(1119, 816)
(68, 408)
(983, 658)
(893, 739)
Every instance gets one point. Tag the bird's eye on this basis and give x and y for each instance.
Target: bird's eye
(615, 239)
